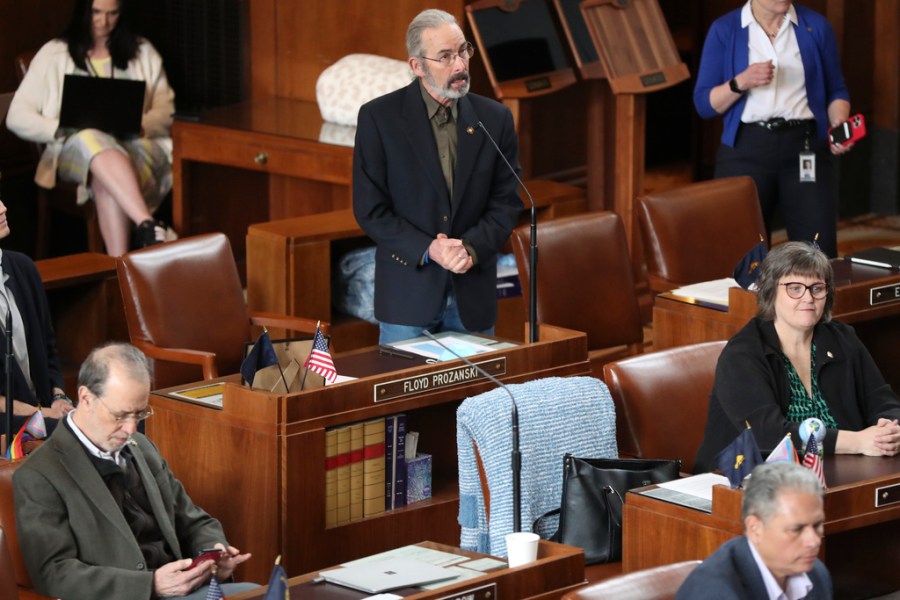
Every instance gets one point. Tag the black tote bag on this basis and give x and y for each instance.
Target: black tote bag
(593, 493)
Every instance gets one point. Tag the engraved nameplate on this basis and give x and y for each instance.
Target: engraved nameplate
(889, 494)
(391, 390)
(536, 85)
(884, 294)
(485, 592)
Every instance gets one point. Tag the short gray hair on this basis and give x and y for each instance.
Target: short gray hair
(94, 371)
(792, 258)
(771, 479)
(427, 19)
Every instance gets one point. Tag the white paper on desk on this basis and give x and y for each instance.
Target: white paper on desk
(340, 379)
(431, 349)
(694, 492)
(715, 292)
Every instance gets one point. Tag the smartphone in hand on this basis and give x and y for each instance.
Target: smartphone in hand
(849, 131)
(206, 554)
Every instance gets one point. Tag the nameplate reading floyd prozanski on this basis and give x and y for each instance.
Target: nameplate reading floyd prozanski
(430, 382)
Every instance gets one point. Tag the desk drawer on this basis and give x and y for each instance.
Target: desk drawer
(266, 153)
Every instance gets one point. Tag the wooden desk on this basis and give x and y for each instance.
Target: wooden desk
(258, 464)
(862, 541)
(558, 569)
(677, 323)
(85, 305)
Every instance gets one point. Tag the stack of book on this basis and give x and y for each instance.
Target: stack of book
(365, 469)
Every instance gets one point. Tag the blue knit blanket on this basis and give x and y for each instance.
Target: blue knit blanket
(556, 415)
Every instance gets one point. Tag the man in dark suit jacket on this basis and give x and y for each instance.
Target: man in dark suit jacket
(432, 192)
(98, 512)
(42, 388)
(783, 521)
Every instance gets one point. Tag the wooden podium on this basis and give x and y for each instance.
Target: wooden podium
(862, 526)
(258, 464)
(557, 570)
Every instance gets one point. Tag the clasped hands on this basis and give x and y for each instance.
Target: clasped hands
(177, 579)
(881, 439)
(450, 253)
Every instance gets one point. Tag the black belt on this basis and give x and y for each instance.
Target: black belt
(779, 123)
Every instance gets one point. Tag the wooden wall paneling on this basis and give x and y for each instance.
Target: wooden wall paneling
(886, 64)
(340, 28)
(263, 48)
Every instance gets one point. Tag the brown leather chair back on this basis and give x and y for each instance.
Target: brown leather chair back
(658, 583)
(663, 397)
(699, 232)
(585, 281)
(8, 523)
(186, 294)
(8, 589)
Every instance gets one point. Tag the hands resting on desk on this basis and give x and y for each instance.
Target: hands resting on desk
(450, 253)
(881, 439)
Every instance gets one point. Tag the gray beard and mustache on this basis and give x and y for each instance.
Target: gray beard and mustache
(446, 90)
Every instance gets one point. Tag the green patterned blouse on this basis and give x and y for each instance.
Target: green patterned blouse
(803, 407)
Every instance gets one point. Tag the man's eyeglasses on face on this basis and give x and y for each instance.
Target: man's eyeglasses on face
(795, 290)
(123, 417)
(465, 52)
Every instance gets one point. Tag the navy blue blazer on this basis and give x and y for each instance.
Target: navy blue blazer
(400, 200)
(730, 573)
(26, 286)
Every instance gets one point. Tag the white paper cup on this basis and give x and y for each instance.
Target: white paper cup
(521, 548)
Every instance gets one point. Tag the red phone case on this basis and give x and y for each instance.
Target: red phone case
(205, 555)
(849, 131)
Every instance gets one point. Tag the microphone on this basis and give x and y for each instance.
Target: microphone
(515, 455)
(533, 254)
(8, 365)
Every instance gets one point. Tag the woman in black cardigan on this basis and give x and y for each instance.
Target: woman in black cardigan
(792, 362)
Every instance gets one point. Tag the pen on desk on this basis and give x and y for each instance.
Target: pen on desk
(391, 351)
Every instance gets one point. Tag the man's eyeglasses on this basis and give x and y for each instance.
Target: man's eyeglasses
(122, 417)
(795, 290)
(465, 52)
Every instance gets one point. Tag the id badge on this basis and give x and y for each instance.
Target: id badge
(807, 167)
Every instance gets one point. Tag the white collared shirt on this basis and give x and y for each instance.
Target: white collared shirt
(785, 95)
(796, 588)
(116, 456)
(20, 342)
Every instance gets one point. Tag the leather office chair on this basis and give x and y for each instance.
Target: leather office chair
(14, 564)
(658, 583)
(62, 198)
(585, 282)
(8, 589)
(699, 232)
(663, 397)
(185, 308)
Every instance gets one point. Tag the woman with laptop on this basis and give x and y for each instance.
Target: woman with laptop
(127, 176)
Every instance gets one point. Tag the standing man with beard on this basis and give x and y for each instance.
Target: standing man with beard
(432, 192)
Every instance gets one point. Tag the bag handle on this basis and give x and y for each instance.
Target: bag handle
(549, 513)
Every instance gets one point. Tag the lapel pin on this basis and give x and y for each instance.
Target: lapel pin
(830, 355)
(470, 130)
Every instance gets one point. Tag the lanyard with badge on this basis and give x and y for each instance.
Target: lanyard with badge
(807, 160)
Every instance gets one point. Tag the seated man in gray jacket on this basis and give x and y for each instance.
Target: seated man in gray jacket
(98, 512)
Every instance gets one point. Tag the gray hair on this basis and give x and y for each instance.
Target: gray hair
(427, 19)
(792, 258)
(94, 371)
(771, 479)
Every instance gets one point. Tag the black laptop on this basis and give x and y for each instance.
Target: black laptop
(111, 105)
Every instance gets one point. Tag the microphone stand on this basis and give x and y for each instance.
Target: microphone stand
(515, 455)
(9, 378)
(533, 249)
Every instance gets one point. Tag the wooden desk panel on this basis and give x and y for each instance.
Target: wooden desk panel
(258, 464)
(861, 546)
(558, 568)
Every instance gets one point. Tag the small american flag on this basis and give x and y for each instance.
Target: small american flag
(319, 360)
(812, 460)
(214, 591)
